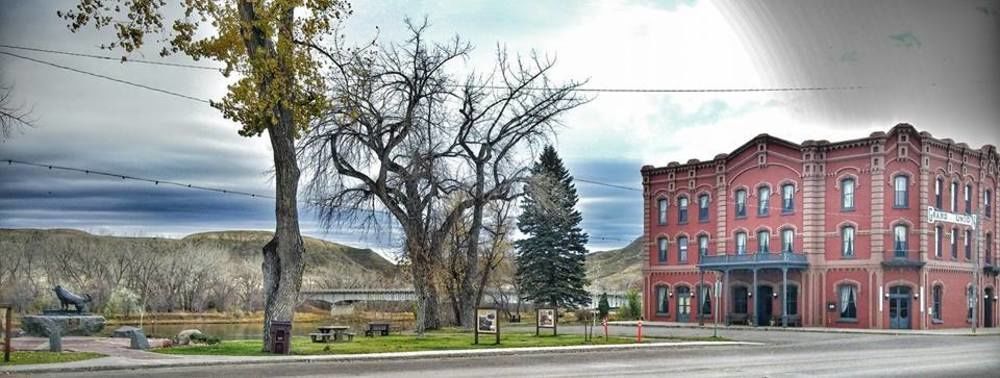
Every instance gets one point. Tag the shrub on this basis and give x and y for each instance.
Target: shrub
(205, 339)
(632, 308)
(603, 308)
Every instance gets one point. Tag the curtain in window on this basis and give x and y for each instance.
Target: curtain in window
(787, 237)
(848, 241)
(662, 208)
(706, 301)
(741, 203)
(787, 193)
(848, 308)
(662, 249)
(762, 200)
(661, 299)
(763, 241)
(847, 186)
(741, 243)
(901, 192)
(900, 236)
(703, 245)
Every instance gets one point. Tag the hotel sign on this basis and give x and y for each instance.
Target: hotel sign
(935, 215)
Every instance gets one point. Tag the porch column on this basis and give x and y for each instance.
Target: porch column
(724, 305)
(701, 299)
(784, 297)
(753, 294)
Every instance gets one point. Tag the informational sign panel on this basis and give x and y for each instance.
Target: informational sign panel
(488, 322)
(935, 215)
(546, 318)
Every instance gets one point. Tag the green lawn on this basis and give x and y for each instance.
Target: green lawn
(27, 358)
(441, 340)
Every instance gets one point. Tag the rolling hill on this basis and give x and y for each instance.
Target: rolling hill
(616, 270)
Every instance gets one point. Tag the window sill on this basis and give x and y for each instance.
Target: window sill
(741, 217)
(703, 221)
(662, 314)
(937, 321)
(681, 223)
(898, 207)
(762, 215)
(846, 257)
(789, 212)
(848, 321)
(847, 210)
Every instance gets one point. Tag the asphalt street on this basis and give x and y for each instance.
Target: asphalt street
(785, 354)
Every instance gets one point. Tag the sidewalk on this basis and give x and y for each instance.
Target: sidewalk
(931, 332)
(156, 360)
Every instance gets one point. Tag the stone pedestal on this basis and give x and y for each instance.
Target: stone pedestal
(62, 324)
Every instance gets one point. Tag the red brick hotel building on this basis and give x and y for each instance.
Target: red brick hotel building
(822, 233)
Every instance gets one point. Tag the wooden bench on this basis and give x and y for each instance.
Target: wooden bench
(734, 318)
(793, 320)
(381, 328)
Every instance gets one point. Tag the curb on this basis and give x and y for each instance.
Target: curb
(811, 330)
(344, 358)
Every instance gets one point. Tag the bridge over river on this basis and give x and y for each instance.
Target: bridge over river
(351, 296)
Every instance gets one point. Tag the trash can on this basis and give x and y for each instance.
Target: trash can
(281, 337)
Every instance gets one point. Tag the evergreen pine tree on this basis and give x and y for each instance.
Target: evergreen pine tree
(550, 260)
(603, 308)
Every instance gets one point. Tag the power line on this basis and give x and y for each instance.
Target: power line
(595, 182)
(110, 58)
(126, 82)
(494, 87)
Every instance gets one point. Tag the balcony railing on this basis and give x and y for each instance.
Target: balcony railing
(754, 260)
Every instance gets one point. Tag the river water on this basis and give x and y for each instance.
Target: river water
(236, 331)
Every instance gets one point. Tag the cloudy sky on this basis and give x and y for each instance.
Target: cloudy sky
(929, 63)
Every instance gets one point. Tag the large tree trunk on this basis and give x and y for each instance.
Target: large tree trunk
(470, 296)
(422, 270)
(282, 267)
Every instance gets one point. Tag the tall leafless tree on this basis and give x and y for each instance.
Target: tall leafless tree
(407, 137)
(12, 116)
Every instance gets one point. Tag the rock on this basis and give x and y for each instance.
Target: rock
(139, 340)
(16, 332)
(184, 337)
(64, 325)
(124, 332)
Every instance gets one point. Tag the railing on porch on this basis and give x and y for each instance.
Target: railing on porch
(755, 258)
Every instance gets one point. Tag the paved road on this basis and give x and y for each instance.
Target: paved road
(786, 354)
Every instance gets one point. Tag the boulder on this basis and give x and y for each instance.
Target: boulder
(63, 325)
(184, 337)
(138, 340)
(124, 332)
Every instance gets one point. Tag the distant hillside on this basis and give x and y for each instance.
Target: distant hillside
(327, 264)
(617, 269)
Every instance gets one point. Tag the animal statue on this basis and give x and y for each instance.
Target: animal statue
(67, 298)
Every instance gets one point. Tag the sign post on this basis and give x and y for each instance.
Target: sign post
(971, 220)
(546, 318)
(487, 321)
(7, 309)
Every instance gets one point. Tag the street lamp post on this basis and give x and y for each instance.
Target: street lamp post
(934, 216)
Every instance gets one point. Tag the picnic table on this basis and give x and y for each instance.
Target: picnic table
(336, 332)
(381, 328)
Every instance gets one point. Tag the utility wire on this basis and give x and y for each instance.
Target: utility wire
(494, 87)
(110, 58)
(595, 182)
(126, 82)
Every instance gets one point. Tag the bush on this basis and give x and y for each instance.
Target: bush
(603, 308)
(632, 308)
(205, 339)
(122, 302)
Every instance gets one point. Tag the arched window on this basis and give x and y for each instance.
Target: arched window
(792, 299)
(703, 208)
(763, 241)
(902, 191)
(938, 237)
(741, 203)
(968, 199)
(954, 196)
(703, 245)
(661, 244)
(662, 211)
(787, 198)
(936, 306)
(763, 196)
(787, 240)
(741, 243)
(900, 235)
(970, 302)
(968, 245)
(938, 188)
(705, 300)
(847, 194)
(847, 295)
(740, 294)
(954, 243)
(988, 202)
(847, 239)
(682, 210)
(682, 249)
(662, 301)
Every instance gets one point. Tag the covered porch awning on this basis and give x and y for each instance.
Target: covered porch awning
(788, 260)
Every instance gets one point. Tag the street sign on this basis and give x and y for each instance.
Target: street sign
(935, 215)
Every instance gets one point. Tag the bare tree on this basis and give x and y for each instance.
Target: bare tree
(499, 125)
(12, 116)
(384, 141)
